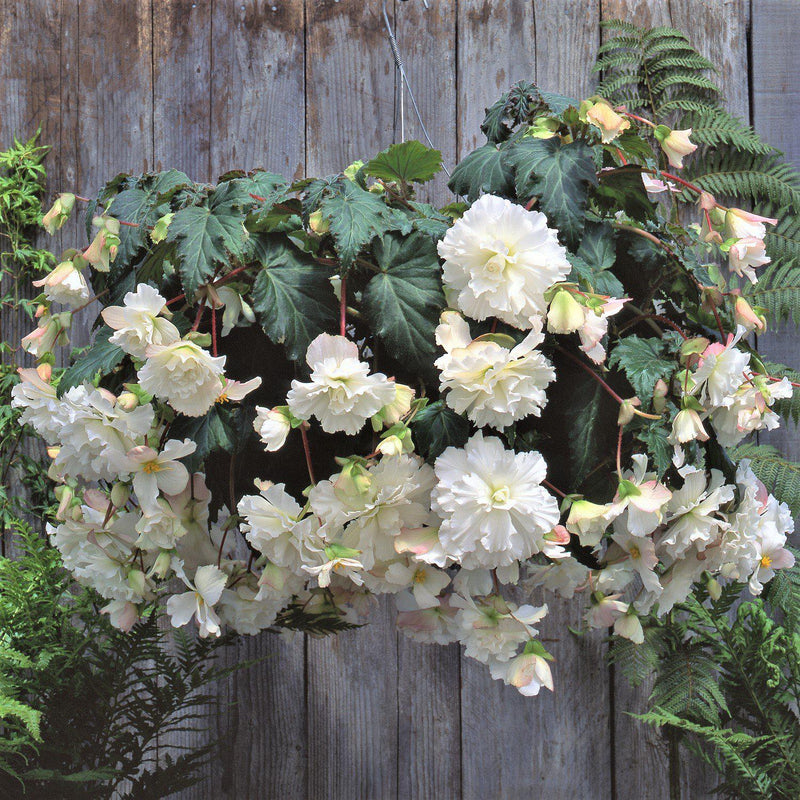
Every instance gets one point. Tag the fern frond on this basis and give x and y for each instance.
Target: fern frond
(718, 128)
(777, 290)
(782, 240)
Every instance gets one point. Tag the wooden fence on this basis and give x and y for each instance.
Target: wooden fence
(306, 88)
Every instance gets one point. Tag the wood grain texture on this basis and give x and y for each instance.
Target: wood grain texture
(496, 48)
(352, 686)
(776, 95)
(555, 745)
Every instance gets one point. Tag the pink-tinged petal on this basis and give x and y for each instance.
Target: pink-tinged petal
(418, 541)
(654, 496)
(782, 559)
(142, 454)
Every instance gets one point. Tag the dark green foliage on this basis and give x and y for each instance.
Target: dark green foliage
(484, 170)
(403, 301)
(325, 620)
(437, 427)
(407, 162)
(644, 362)
(99, 359)
(93, 699)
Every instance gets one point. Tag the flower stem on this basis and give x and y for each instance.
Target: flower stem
(638, 118)
(217, 282)
(343, 308)
(199, 316)
(619, 452)
(553, 489)
(90, 301)
(591, 372)
(307, 451)
(213, 331)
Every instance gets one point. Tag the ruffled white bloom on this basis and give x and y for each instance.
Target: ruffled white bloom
(341, 394)
(66, 285)
(563, 577)
(160, 529)
(235, 307)
(693, 514)
(494, 385)
(40, 406)
(492, 504)
(746, 255)
(371, 507)
(95, 434)
(269, 516)
(595, 327)
(247, 611)
(492, 629)
(500, 259)
(199, 602)
(750, 411)
(138, 323)
(719, 372)
(184, 375)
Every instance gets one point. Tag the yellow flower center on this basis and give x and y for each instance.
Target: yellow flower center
(151, 467)
(634, 551)
(419, 576)
(223, 398)
(766, 561)
(501, 495)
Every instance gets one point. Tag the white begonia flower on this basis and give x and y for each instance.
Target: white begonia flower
(270, 515)
(247, 611)
(527, 672)
(606, 611)
(750, 411)
(693, 512)
(51, 331)
(160, 529)
(41, 407)
(424, 581)
(341, 394)
(641, 553)
(494, 385)
(138, 324)
(235, 307)
(433, 625)
(492, 504)
(492, 629)
(375, 506)
(687, 426)
(642, 496)
(153, 471)
(563, 578)
(95, 433)
(66, 285)
(500, 259)
(595, 327)
(630, 627)
(740, 224)
(335, 559)
(675, 144)
(199, 602)
(272, 426)
(611, 124)
(719, 372)
(122, 614)
(183, 374)
(746, 255)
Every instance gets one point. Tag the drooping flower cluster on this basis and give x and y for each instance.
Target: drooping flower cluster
(445, 535)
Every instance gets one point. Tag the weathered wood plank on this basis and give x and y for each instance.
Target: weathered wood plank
(352, 678)
(495, 50)
(254, 105)
(182, 59)
(428, 46)
(428, 675)
(776, 95)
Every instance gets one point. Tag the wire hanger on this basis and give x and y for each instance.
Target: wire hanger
(400, 67)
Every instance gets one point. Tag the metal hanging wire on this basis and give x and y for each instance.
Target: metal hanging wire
(404, 82)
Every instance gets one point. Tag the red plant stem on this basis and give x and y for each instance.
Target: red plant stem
(90, 301)
(494, 325)
(553, 489)
(619, 452)
(343, 308)
(529, 204)
(307, 451)
(213, 331)
(719, 322)
(621, 157)
(591, 372)
(199, 316)
(638, 118)
(670, 323)
(217, 282)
